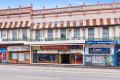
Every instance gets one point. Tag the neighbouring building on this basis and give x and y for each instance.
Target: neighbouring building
(65, 35)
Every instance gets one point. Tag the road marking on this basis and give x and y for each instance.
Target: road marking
(42, 78)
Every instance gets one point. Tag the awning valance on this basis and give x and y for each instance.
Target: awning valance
(77, 23)
(16, 24)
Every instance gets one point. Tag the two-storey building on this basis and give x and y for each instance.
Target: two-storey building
(85, 34)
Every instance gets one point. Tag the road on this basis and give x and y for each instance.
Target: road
(10, 72)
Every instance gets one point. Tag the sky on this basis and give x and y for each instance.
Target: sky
(38, 4)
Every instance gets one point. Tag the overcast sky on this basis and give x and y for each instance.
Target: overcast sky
(37, 4)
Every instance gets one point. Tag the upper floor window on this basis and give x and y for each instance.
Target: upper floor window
(50, 33)
(24, 34)
(77, 32)
(90, 33)
(105, 33)
(37, 34)
(14, 34)
(3, 34)
(56, 33)
(69, 32)
(63, 33)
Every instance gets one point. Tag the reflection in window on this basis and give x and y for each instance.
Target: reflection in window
(3, 34)
(47, 58)
(63, 33)
(77, 32)
(14, 34)
(37, 35)
(50, 33)
(105, 33)
(24, 32)
(90, 33)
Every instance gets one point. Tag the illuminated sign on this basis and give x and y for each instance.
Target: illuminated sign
(99, 50)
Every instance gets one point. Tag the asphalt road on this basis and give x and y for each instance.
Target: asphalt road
(10, 72)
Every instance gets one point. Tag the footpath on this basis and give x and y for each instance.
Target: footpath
(65, 66)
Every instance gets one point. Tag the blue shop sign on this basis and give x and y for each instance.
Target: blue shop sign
(100, 42)
(2, 50)
(99, 50)
(118, 42)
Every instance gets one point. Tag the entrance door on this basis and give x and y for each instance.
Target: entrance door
(118, 58)
(65, 58)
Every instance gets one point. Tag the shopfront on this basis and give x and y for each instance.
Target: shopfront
(117, 53)
(100, 53)
(59, 54)
(19, 54)
(42, 54)
(2, 54)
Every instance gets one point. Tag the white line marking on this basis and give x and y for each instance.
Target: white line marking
(42, 78)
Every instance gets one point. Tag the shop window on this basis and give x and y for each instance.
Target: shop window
(14, 56)
(46, 58)
(27, 56)
(77, 58)
(90, 33)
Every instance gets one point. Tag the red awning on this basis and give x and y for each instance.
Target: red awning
(15, 25)
(10, 25)
(5, 25)
(0, 25)
(21, 24)
(26, 23)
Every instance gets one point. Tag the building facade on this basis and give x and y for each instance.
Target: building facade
(61, 35)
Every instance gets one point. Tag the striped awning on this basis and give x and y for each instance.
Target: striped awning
(76, 23)
(16, 24)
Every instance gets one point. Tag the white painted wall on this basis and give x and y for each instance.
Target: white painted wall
(97, 32)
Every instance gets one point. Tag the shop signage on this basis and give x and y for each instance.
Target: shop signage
(99, 50)
(2, 50)
(100, 42)
(64, 48)
(18, 48)
(118, 41)
(47, 52)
